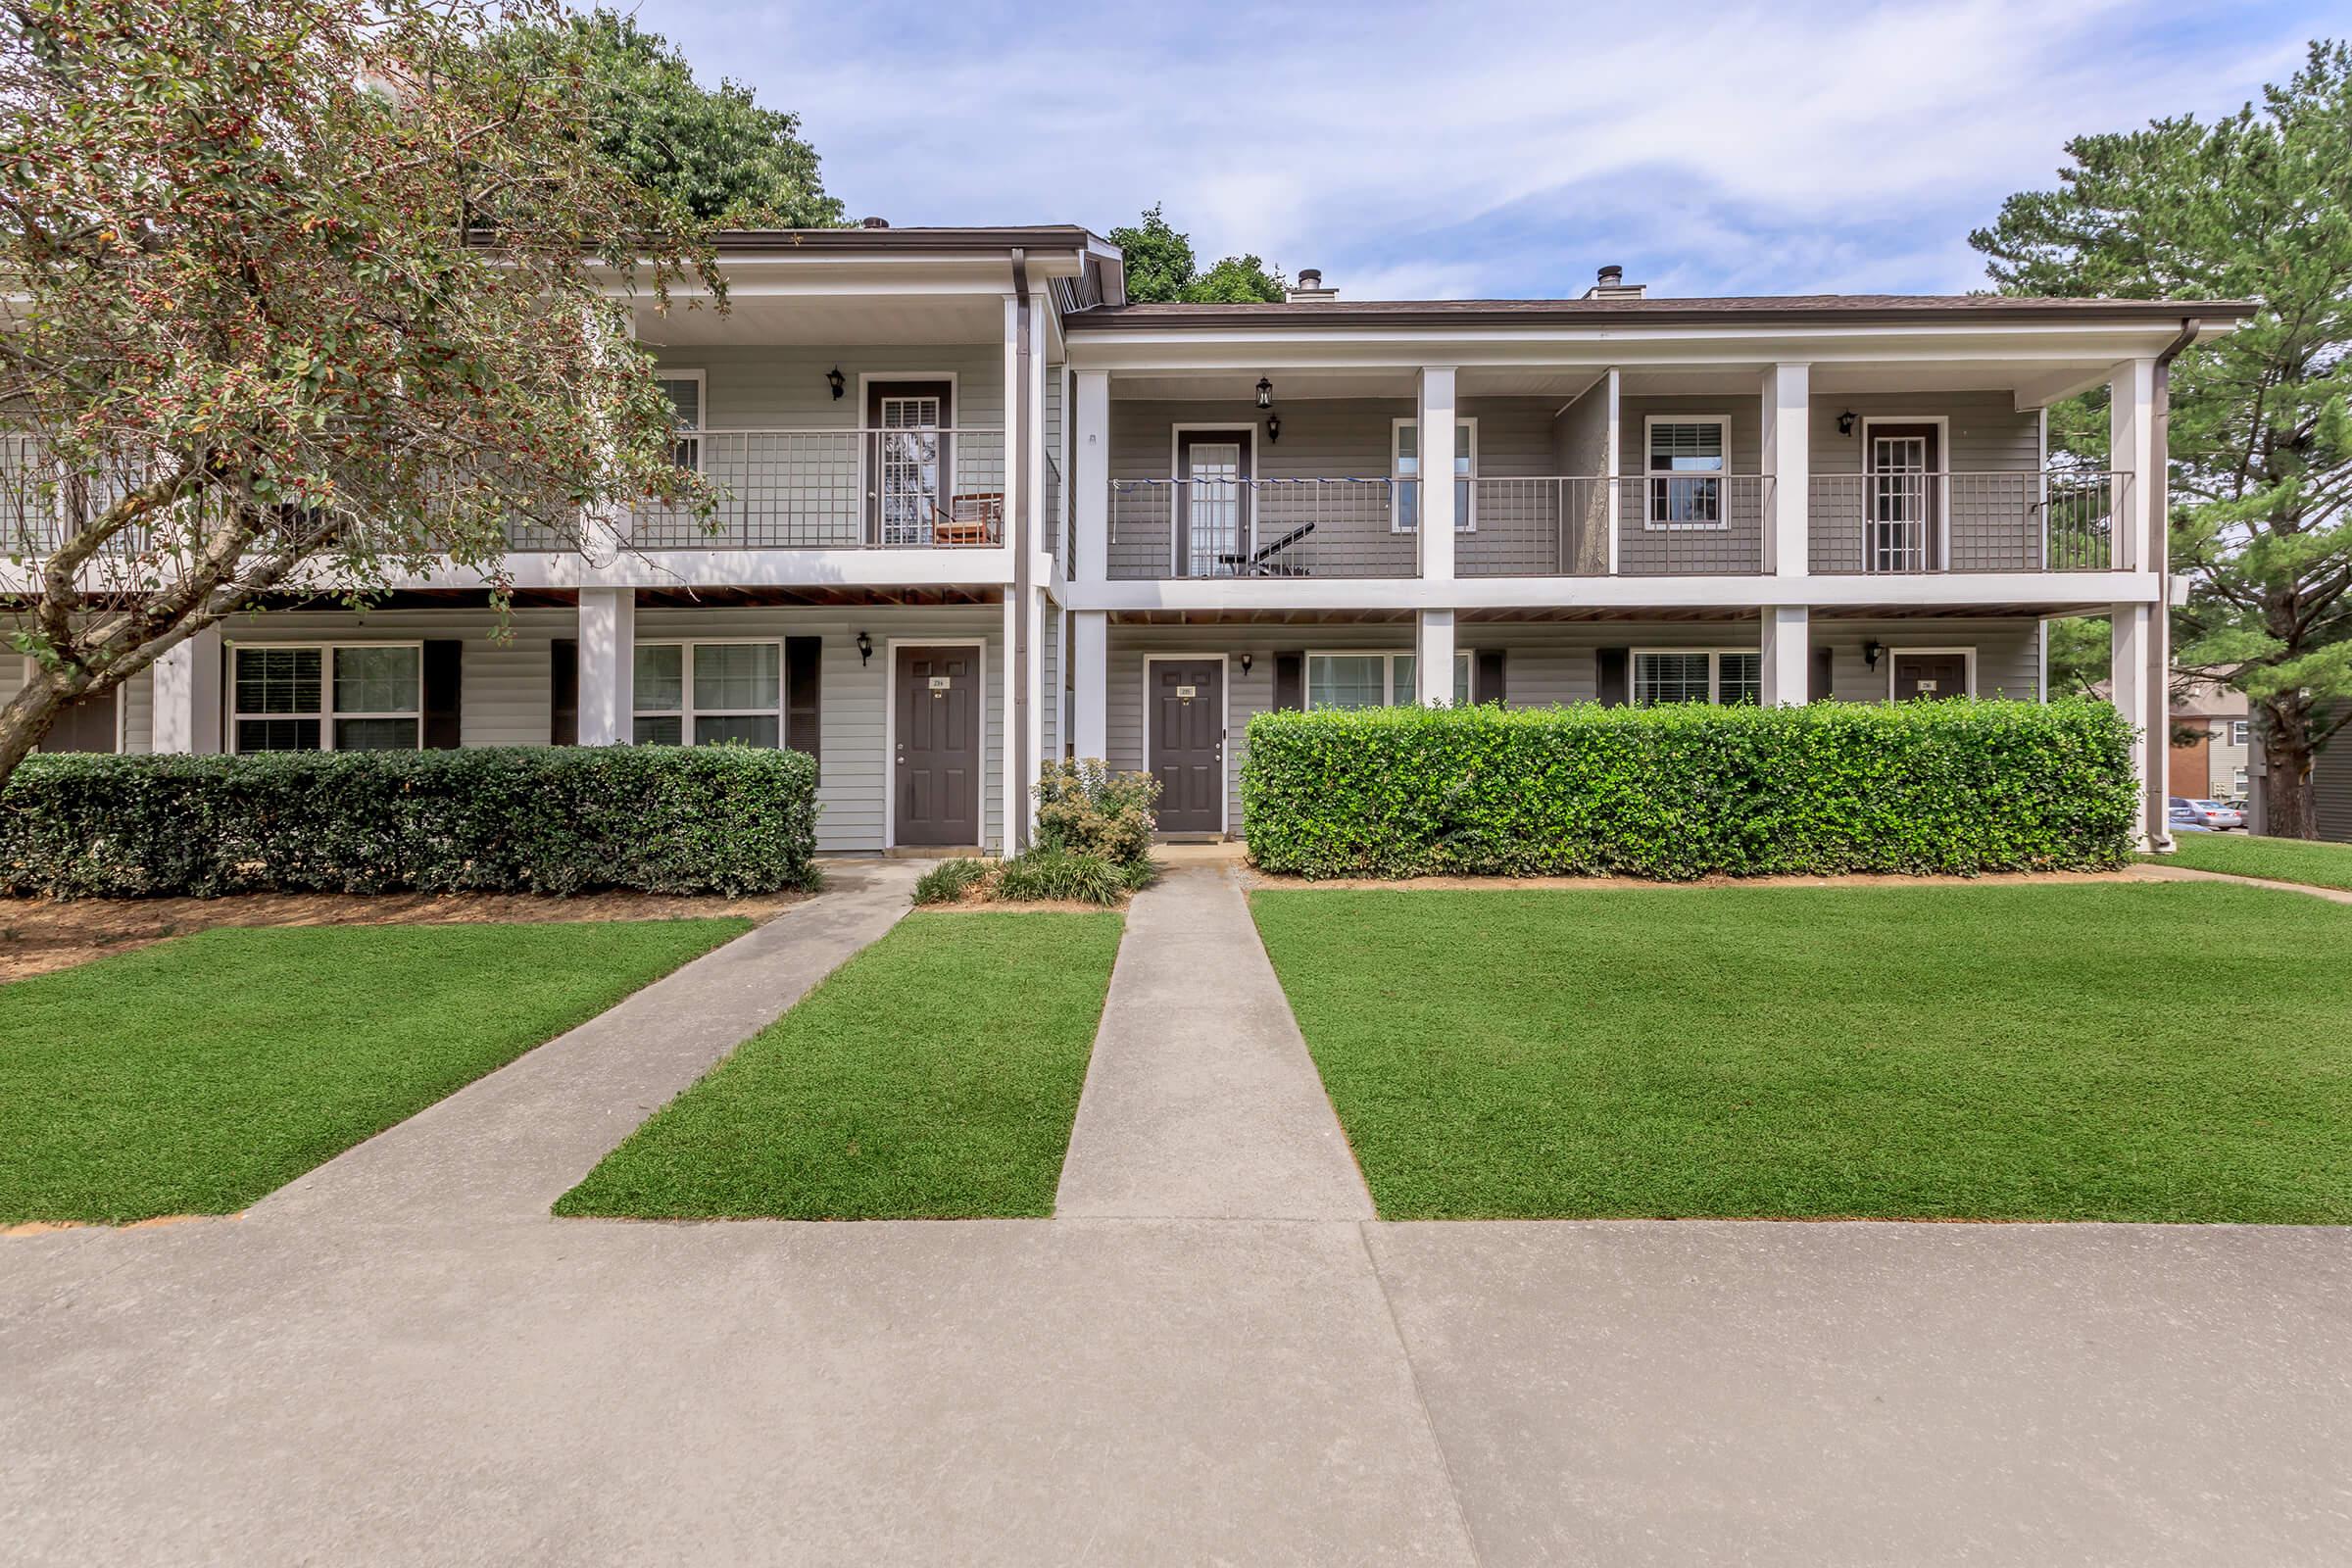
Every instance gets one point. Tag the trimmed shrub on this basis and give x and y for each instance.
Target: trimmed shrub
(1086, 808)
(727, 819)
(1049, 877)
(1689, 790)
(949, 880)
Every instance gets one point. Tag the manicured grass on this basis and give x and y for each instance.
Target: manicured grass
(194, 1076)
(2019, 1052)
(935, 1076)
(2319, 865)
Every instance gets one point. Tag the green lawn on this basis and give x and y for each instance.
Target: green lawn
(935, 1076)
(194, 1076)
(2153, 1051)
(2319, 865)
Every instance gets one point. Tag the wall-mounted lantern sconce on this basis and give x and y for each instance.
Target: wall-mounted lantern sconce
(865, 648)
(1246, 660)
(1870, 650)
(1845, 422)
(1273, 428)
(1265, 393)
(837, 381)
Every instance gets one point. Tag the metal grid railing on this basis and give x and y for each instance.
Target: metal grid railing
(838, 489)
(1261, 528)
(1688, 525)
(2016, 520)
(1557, 527)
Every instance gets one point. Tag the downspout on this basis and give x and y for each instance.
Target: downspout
(2159, 716)
(1016, 737)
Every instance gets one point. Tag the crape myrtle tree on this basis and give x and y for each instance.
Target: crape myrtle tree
(2255, 206)
(1162, 268)
(303, 295)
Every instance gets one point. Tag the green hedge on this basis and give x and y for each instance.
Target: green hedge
(1686, 790)
(727, 819)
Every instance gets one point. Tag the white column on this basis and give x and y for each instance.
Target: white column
(1016, 788)
(1435, 434)
(2132, 444)
(187, 696)
(1789, 458)
(1034, 752)
(1090, 478)
(2137, 684)
(1614, 462)
(1033, 438)
(1089, 683)
(609, 666)
(1788, 662)
(1016, 501)
(1433, 657)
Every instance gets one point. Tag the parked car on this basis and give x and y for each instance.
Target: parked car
(2207, 813)
(2185, 818)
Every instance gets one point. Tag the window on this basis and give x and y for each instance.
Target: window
(712, 692)
(347, 697)
(1685, 468)
(1698, 676)
(684, 389)
(1374, 680)
(1404, 463)
(2240, 731)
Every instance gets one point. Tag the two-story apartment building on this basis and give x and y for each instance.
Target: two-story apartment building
(981, 512)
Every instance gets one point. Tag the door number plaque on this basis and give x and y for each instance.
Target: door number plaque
(941, 683)
(1184, 692)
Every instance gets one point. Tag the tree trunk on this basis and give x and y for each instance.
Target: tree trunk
(28, 717)
(2288, 809)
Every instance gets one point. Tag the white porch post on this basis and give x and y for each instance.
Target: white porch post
(609, 666)
(1016, 788)
(1787, 400)
(2132, 451)
(2137, 679)
(1090, 484)
(1089, 682)
(1033, 751)
(2140, 645)
(1788, 660)
(1614, 463)
(187, 696)
(1434, 436)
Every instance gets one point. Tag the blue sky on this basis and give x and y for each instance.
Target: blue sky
(1493, 151)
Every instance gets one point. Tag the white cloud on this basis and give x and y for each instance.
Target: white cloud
(1494, 149)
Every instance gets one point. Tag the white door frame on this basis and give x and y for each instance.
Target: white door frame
(1176, 472)
(954, 410)
(890, 733)
(1224, 723)
(1942, 471)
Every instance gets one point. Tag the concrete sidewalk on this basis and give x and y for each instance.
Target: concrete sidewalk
(1201, 1102)
(508, 1145)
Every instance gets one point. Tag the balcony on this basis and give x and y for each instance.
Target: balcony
(888, 489)
(1669, 526)
(1914, 523)
(1266, 528)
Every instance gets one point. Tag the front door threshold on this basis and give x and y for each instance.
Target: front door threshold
(933, 852)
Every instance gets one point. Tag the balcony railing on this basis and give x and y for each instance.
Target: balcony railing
(1668, 525)
(2024, 521)
(832, 490)
(1261, 528)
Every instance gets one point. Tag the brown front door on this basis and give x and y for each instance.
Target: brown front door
(1186, 700)
(1905, 488)
(89, 725)
(934, 769)
(1212, 505)
(1936, 676)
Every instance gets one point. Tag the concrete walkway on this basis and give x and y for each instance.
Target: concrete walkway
(508, 1145)
(1201, 1102)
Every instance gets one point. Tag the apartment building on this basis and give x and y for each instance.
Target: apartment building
(980, 512)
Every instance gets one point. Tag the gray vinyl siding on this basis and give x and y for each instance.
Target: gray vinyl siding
(1644, 550)
(1986, 434)
(2008, 654)
(1580, 436)
(138, 701)
(762, 387)
(1048, 693)
(2332, 790)
(1248, 694)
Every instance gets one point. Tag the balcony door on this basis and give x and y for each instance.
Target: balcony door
(910, 467)
(1213, 528)
(1901, 526)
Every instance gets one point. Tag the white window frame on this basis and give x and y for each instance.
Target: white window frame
(328, 713)
(1388, 658)
(1466, 518)
(702, 409)
(686, 712)
(1894, 653)
(1653, 523)
(2241, 731)
(1715, 658)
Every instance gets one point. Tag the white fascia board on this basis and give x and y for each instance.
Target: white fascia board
(1730, 594)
